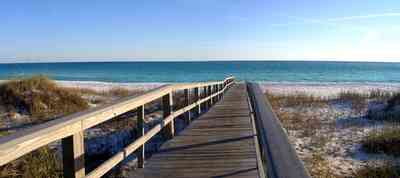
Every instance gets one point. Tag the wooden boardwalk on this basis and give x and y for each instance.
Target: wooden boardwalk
(232, 139)
(220, 143)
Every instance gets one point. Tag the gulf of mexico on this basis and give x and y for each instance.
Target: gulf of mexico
(165, 72)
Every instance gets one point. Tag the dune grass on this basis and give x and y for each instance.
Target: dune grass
(41, 163)
(40, 97)
(393, 101)
(306, 125)
(297, 99)
(43, 100)
(385, 141)
(387, 171)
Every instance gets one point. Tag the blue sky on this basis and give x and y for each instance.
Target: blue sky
(48, 30)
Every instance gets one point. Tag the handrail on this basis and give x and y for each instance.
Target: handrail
(70, 128)
(278, 155)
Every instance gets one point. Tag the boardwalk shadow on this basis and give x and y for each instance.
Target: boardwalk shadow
(235, 173)
(205, 144)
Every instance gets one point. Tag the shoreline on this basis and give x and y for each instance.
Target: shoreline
(320, 89)
(284, 88)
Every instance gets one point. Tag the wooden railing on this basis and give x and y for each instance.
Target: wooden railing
(71, 129)
(279, 158)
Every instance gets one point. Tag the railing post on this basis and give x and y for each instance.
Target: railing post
(140, 152)
(216, 91)
(73, 156)
(209, 93)
(219, 89)
(205, 105)
(167, 104)
(187, 102)
(222, 89)
(197, 98)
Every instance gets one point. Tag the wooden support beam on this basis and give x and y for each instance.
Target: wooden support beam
(215, 91)
(209, 93)
(167, 104)
(197, 98)
(205, 105)
(187, 102)
(140, 152)
(221, 86)
(73, 151)
(70, 129)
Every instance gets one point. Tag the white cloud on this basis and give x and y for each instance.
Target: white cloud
(368, 16)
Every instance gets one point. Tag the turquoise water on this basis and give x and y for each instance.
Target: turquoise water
(139, 72)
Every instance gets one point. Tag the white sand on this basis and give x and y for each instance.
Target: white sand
(316, 89)
(326, 89)
(104, 86)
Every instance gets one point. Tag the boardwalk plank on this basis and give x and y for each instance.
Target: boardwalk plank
(218, 144)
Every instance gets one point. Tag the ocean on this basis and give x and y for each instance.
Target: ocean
(165, 72)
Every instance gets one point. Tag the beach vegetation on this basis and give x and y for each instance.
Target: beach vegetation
(389, 112)
(297, 99)
(384, 141)
(374, 171)
(40, 163)
(40, 97)
(300, 116)
(118, 92)
(318, 166)
(393, 102)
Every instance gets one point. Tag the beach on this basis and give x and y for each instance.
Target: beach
(284, 88)
(335, 122)
(325, 115)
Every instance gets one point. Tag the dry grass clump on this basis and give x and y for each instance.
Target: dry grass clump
(393, 101)
(352, 96)
(119, 92)
(40, 97)
(319, 166)
(390, 112)
(387, 141)
(359, 96)
(297, 99)
(387, 171)
(41, 163)
(380, 94)
(83, 91)
(359, 101)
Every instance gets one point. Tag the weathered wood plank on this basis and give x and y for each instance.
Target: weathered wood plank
(218, 144)
(279, 156)
(18, 144)
(73, 156)
(140, 153)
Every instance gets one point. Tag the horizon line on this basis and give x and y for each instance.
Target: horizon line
(92, 60)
